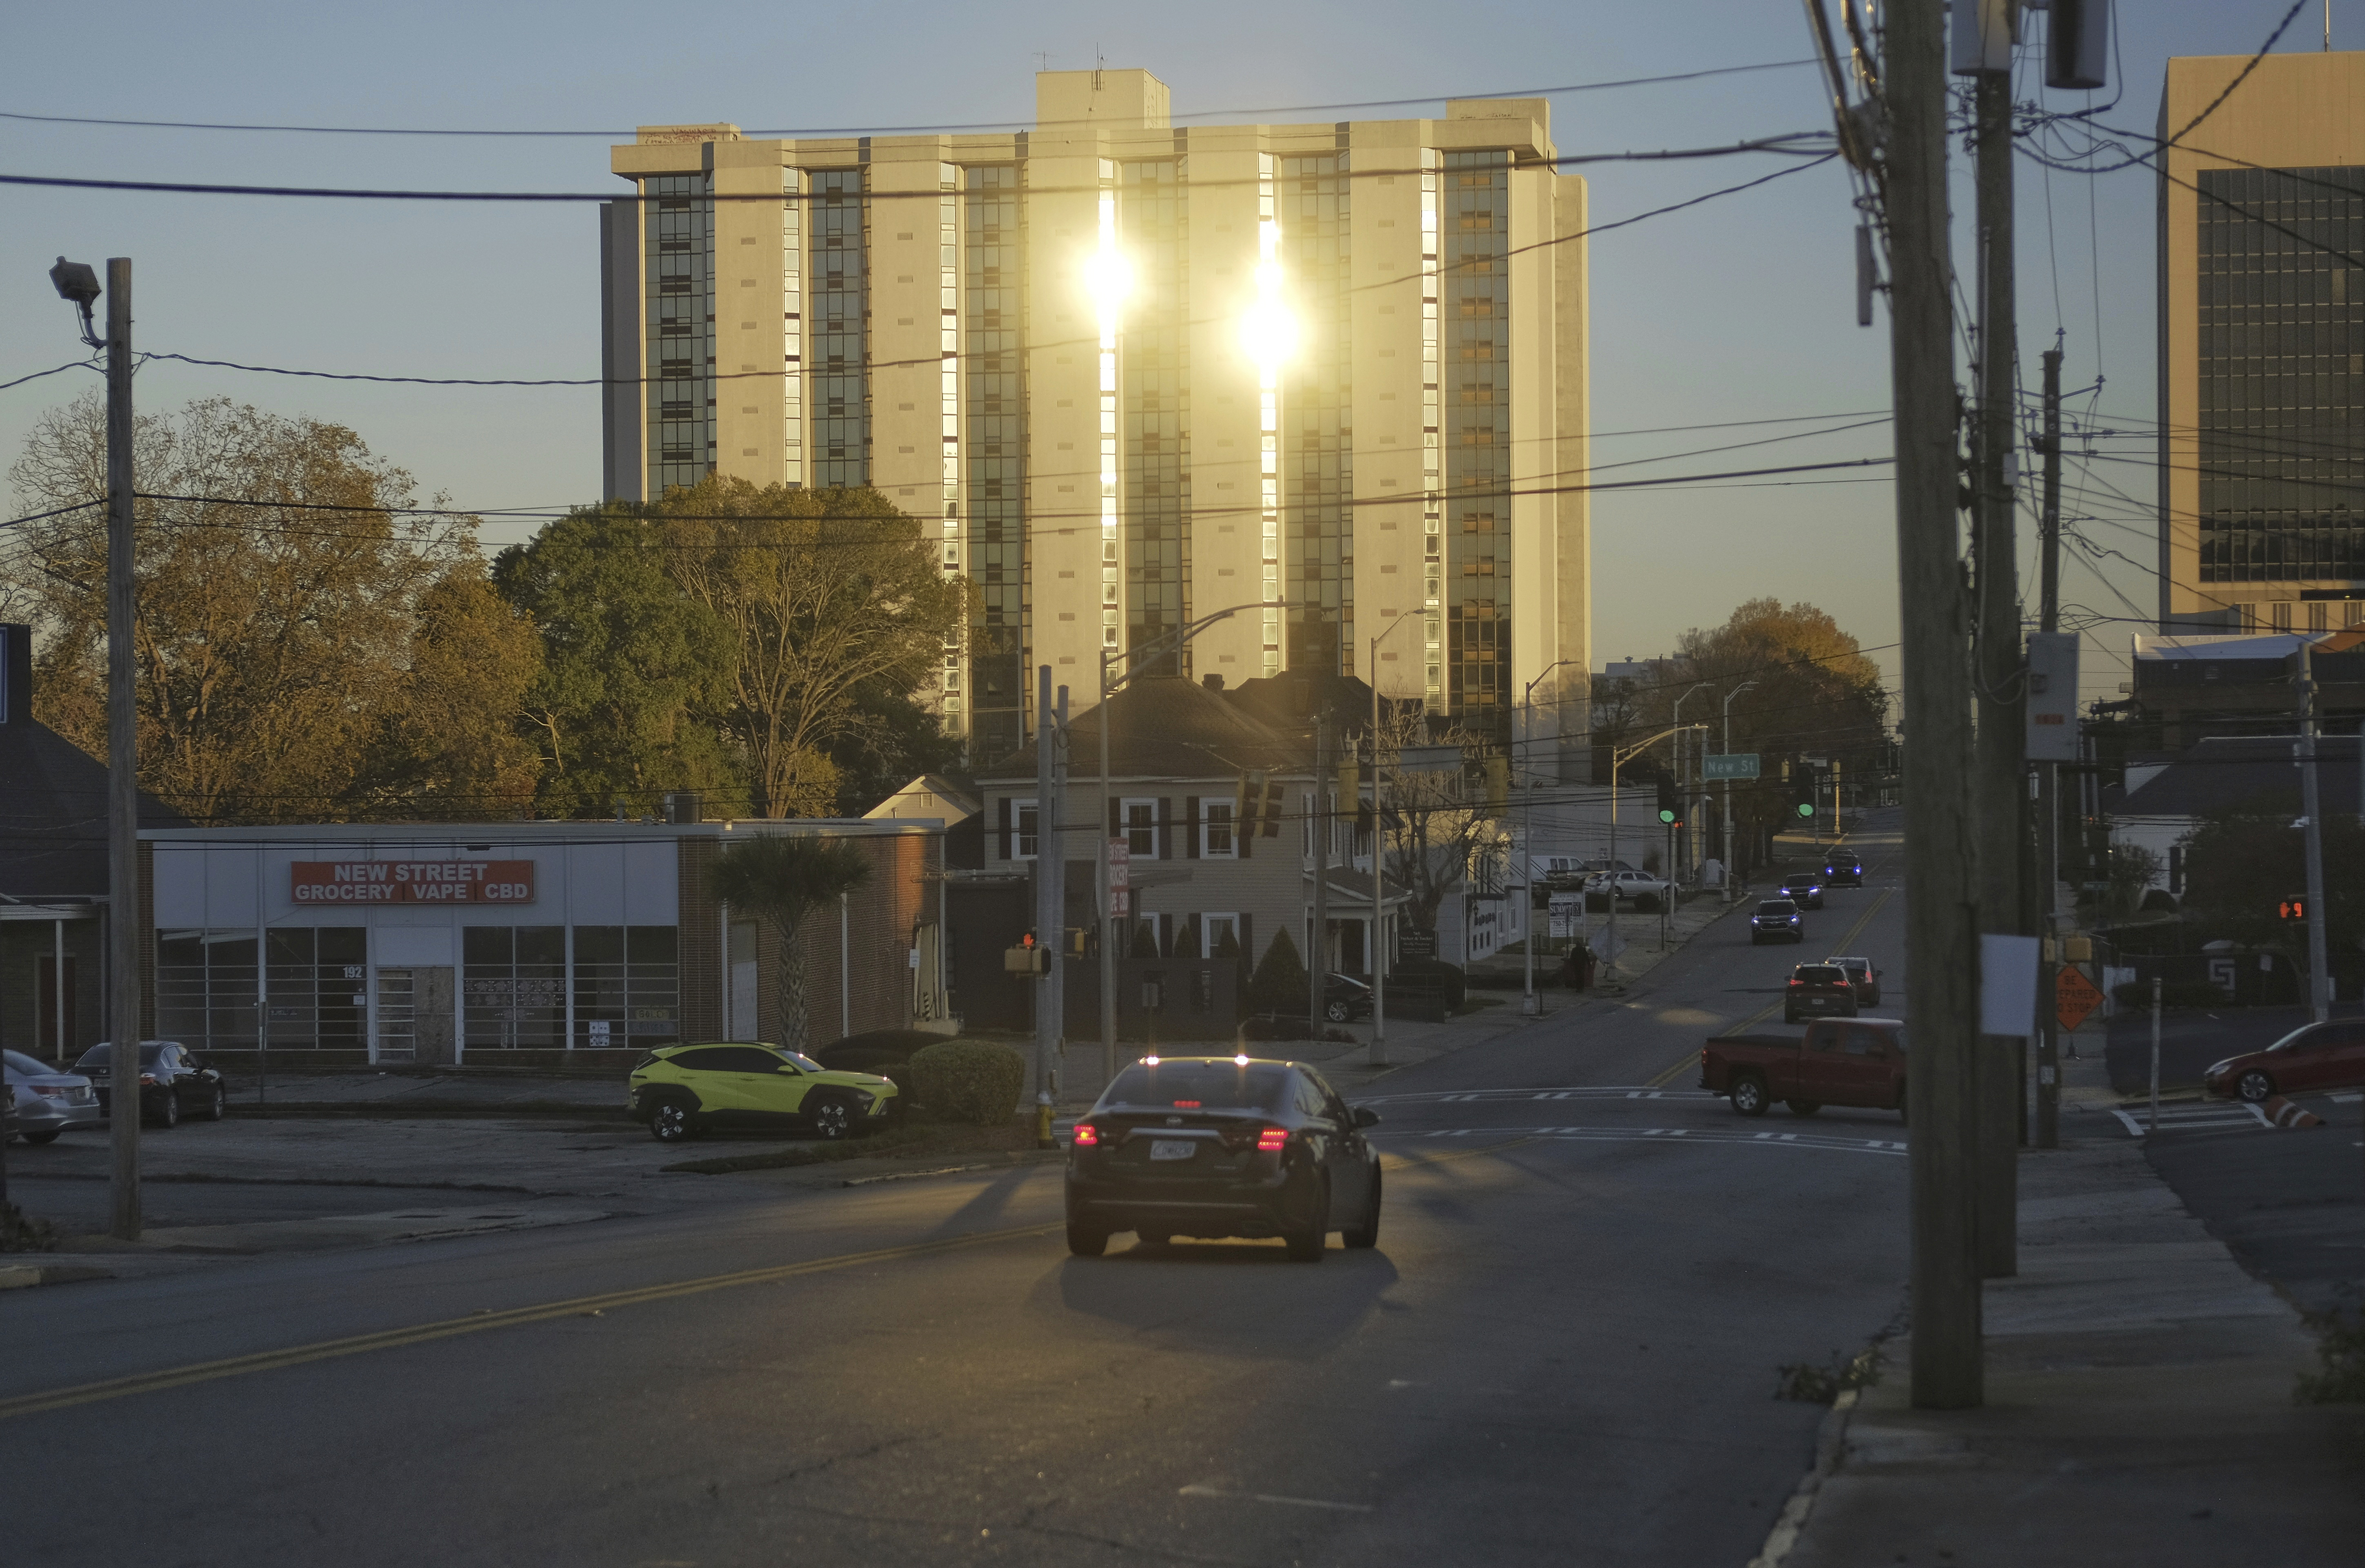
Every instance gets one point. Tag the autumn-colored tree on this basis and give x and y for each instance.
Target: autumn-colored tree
(447, 746)
(838, 609)
(281, 577)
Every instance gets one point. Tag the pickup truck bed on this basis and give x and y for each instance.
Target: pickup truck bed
(1840, 1062)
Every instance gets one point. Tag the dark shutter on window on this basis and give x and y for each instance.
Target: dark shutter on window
(1116, 817)
(1166, 830)
(1248, 941)
(1190, 827)
(1002, 828)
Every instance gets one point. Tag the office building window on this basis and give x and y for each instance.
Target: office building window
(995, 471)
(1476, 555)
(1154, 209)
(677, 225)
(2282, 389)
(1318, 454)
(838, 284)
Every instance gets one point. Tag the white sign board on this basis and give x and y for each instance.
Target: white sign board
(1565, 911)
(2053, 697)
(2007, 985)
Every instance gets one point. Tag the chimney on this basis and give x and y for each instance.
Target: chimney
(683, 807)
(15, 675)
(1212, 682)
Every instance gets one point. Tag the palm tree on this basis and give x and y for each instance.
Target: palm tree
(783, 878)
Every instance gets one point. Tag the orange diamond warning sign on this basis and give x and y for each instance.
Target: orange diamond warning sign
(2074, 997)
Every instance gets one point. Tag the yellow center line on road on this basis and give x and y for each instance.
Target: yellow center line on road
(1409, 1162)
(419, 1334)
(1684, 1063)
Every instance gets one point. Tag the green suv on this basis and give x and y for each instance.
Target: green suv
(680, 1091)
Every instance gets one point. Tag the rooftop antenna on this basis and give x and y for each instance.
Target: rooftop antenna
(1099, 60)
(1042, 59)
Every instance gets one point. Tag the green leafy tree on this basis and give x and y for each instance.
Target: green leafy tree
(447, 746)
(2240, 865)
(839, 608)
(783, 878)
(635, 677)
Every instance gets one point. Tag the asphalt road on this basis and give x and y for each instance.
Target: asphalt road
(1564, 1348)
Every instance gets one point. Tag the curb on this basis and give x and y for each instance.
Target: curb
(23, 1276)
(1830, 1442)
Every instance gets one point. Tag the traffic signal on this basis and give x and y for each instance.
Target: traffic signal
(2292, 908)
(1026, 959)
(1671, 808)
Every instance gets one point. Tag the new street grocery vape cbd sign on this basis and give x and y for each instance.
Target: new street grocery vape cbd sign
(412, 881)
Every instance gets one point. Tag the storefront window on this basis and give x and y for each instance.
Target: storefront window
(319, 987)
(627, 986)
(205, 989)
(514, 986)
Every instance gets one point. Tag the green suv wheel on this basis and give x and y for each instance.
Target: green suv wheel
(672, 1122)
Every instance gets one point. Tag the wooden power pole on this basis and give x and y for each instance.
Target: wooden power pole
(1942, 989)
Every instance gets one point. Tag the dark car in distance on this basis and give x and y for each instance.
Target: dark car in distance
(1818, 991)
(1841, 868)
(1222, 1147)
(1864, 977)
(1803, 889)
(174, 1082)
(1777, 920)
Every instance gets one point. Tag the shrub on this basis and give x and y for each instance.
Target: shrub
(968, 1080)
(1279, 982)
(1433, 974)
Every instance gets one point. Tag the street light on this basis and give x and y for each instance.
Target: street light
(1528, 1006)
(1678, 716)
(1729, 695)
(1159, 643)
(1617, 760)
(1379, 1052)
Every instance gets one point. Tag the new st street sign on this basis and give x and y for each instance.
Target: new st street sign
(1736, 766)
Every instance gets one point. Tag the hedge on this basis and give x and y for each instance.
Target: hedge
(968, 1080)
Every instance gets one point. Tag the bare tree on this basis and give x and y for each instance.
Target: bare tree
(1435, 830)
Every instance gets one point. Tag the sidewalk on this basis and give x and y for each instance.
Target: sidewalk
(2138, 1400)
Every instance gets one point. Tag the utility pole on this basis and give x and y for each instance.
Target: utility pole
(1050, 872)
(2048, 797)
(2319, 979)
(1942, 989)
(122, 767)
(1730, 880)
(1317, 949)
(2001, 791)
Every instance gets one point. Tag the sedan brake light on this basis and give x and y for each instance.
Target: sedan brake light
(1797, 983)
(1272, 1140)
(1087, 1136)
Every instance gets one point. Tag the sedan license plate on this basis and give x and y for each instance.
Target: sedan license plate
(1173, 1148)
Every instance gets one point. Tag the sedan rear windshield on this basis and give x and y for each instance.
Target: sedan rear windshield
(19, 1062)
(1202, 1085)
(1820, 974)
(99, 1056)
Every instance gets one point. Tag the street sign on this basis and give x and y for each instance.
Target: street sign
(1733, 765)
(2074, 997)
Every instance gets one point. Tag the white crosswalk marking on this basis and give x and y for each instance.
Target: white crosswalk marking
(2189, 1119)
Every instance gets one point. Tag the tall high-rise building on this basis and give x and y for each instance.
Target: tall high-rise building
(1136, 374)
(2262, 344)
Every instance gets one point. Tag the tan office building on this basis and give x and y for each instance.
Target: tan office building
(2262, 346)
(1138, 374)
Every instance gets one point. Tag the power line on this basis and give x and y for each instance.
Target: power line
(1798, 144)
(978, 126)
(80, 363)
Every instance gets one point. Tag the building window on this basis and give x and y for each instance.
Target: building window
(318, 988)
(1214, 930)
(1215, 831)
(205, 989)
(1022, 817)
(627, 986)
(513, 987)
(679, 317)
(1142, 828)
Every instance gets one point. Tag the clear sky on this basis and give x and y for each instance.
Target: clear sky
(1739, 309)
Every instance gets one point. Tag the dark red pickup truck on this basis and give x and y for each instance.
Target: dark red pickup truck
(1840, 1062)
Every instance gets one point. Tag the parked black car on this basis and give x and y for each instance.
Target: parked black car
(173, 1082)
(1803, 889)
(1841, 868)
(1221, 1147)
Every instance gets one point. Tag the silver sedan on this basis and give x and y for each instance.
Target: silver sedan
(48, 1101)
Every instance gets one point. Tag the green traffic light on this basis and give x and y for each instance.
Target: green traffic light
(1806, 809)
(1666, 816)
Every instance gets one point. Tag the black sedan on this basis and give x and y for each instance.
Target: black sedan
(1777, 920)
(1223, 1146)
(173, 1082)
(1803, 889)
